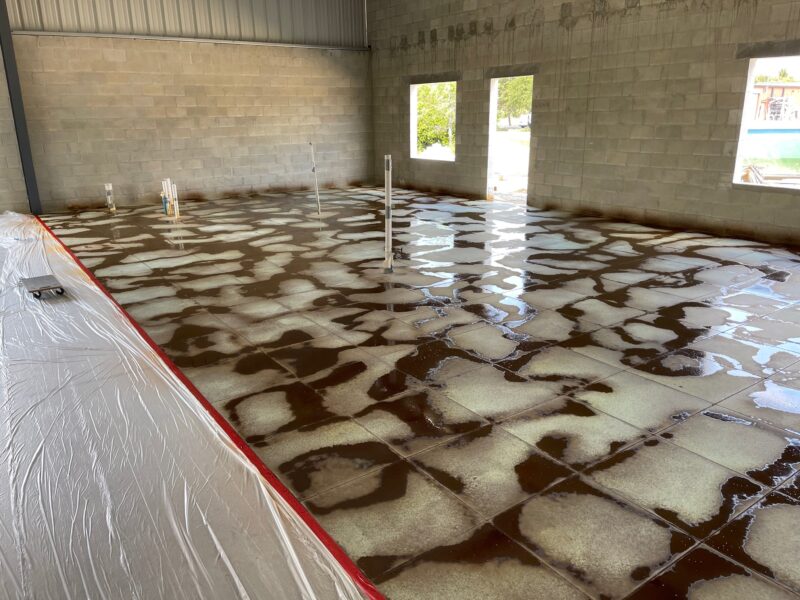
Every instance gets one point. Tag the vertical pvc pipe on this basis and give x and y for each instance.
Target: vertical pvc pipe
(389, 254)
(169, 191)
(176, 207)
(110, 198)
(316, 180)
(164, 196)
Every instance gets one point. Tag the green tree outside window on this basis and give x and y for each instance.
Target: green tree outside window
(436, 115)
(514, 97)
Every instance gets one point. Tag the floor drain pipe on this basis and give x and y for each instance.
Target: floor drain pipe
(389, 254)
(316, 180)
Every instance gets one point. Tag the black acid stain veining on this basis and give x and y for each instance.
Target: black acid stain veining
(534, 404)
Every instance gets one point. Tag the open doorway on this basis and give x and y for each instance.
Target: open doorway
(510, 123)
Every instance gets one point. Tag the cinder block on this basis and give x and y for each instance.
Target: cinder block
(98, 107)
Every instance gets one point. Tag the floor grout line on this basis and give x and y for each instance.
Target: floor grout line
(472, 287)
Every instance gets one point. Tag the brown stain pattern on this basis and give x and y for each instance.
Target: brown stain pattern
(364, 373)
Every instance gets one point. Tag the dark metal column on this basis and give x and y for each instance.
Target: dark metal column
(18, 110)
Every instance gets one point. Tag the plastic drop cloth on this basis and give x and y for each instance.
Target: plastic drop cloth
(115, 482)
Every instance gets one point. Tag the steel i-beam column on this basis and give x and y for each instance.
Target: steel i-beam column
(18, 111)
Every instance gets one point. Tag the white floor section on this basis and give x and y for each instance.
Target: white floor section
(114, 481)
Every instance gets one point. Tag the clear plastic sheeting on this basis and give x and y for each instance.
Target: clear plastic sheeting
(115, 482)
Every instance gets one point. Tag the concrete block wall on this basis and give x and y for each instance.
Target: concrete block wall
(213, 117)
(637, 103)
(13, 195)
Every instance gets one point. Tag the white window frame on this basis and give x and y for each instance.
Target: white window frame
(414, 121)
(748, 109)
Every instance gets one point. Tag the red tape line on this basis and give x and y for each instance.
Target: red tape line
(272, 480)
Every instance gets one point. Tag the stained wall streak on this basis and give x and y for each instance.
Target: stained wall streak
(637, 103)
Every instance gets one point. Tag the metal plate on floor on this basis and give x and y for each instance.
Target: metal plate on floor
(44, 283)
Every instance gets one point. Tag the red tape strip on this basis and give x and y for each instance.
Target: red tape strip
(336, 551)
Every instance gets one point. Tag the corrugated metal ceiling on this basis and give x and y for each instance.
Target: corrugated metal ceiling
(338, 23)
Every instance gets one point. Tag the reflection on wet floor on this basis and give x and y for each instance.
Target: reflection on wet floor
(534, 405)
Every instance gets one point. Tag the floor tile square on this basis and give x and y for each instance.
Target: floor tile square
(602, 311)
(639, 401)
(483, 561)
(695, 494)
(715, 368)
(551, 326)
(707, 575)
(390, 516)
(412, 422)
(317, 357)
(559, 363)
(250, 373)
(490, 470)
(495, 393)
(744, 445)
(497, 308)
(510, 348)
(766, 539)
(488, 342)
(317, 457)
(285, 407)
(602, 544)
(355, 385)
(572, 432)
(627, 345)
(437, 320)
(277, 331)
(435, 361)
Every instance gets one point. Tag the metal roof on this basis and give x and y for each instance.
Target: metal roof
(340, 23)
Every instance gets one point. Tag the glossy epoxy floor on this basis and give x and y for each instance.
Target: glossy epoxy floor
(533, 406)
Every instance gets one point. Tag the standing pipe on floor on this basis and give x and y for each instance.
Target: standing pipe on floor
(166, 191)
(387, 175)
(176, 207)
(110, 199)
(316, 180)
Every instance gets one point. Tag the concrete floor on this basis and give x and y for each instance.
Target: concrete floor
(532, 406)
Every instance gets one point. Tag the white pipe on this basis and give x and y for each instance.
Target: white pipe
(110, 198)
(389, 253)
(316, 180)
(170, 198)
(176, 208)
(170, 203)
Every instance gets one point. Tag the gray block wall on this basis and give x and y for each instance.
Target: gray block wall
(12, 186)
(637, 108)
(215, 118)
(637, 103)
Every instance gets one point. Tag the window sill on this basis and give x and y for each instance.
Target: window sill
(436, 160)
(762, 187)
